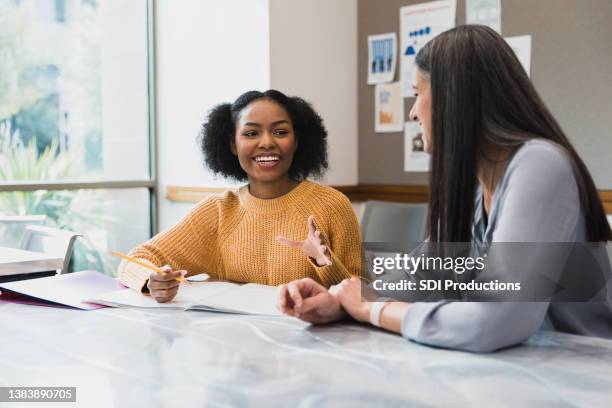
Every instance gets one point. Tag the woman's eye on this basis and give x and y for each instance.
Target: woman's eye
(280, 132)
(251, 133)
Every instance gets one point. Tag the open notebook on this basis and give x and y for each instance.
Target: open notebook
(225, 297)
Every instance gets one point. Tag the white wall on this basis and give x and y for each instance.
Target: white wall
(313, 54)
(207, 52)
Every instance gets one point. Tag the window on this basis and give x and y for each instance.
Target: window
(76, 141)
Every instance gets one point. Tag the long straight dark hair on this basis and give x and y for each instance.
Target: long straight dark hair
(481, 93)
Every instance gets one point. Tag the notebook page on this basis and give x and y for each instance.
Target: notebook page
(251, 298)
(187, 295)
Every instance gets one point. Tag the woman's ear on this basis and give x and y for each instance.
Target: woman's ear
(297, 142)
(233, 147)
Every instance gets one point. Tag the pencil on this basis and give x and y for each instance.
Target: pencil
(145, 265)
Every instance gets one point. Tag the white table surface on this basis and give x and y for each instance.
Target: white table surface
(16, 261)
(165, 358)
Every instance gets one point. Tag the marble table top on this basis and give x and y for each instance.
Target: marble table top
(166, 358)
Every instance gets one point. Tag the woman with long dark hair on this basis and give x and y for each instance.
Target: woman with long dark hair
(502, 171)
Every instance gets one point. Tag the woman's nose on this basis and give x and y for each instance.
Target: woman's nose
(413, 115)
(266, 140)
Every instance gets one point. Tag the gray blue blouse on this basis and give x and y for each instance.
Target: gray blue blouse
(536, 200)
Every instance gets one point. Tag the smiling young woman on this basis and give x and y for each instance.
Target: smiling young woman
(277, 228)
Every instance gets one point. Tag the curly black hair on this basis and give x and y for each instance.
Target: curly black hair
(218, 132)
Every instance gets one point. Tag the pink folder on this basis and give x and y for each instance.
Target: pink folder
(64, 290)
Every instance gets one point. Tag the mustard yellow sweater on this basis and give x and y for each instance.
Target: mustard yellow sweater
(233, 237)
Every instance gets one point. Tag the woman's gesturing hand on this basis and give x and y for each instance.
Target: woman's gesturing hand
(311, 246)
(163, 287)
(309, 301)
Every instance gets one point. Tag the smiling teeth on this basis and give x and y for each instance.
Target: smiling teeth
(266, 158)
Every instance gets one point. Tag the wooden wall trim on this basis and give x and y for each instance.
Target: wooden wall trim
(190, 194)
(361, 192)
(606, 198)
(383, 192)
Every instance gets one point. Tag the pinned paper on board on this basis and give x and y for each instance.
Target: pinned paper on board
(420, 23)
(522, 48)
(388, 108)
(382, 56)
(485, 12)
(415, 158)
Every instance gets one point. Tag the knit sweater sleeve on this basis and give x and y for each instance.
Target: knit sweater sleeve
(343, 241)
(190, 245)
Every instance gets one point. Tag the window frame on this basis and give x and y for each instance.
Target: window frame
(151, 184)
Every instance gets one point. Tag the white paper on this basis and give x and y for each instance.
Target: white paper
(187, 295)
(415, 158)
(247, 299)
(419, 24)
(388, 108)
(382, 57)
(485, 12)
(209, 296)
(522, 48)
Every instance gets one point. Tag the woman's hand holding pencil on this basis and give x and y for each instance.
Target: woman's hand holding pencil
(163, 286)
(163, 282)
